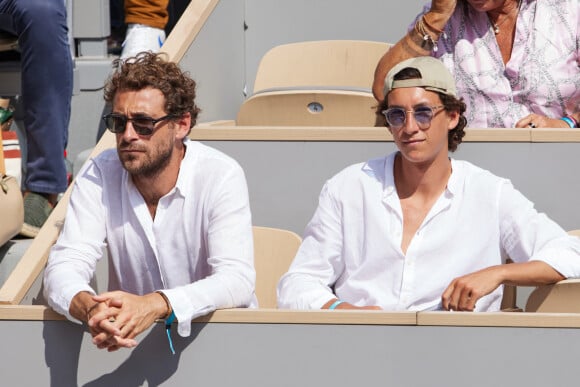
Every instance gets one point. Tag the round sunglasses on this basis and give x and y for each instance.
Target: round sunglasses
(396, 116)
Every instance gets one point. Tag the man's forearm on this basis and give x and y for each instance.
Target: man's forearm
(532, 273)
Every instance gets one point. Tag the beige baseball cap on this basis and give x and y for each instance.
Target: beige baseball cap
(434, 76)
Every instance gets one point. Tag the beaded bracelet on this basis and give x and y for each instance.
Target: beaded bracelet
(428, 42)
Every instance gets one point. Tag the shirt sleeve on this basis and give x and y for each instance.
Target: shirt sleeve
(231, 281)
(72, 260)
(318, 263)
(528, 235)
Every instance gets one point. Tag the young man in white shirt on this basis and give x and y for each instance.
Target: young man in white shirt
(172, 213)
(417, 230)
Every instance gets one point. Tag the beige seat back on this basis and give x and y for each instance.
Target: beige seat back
(317, 83)
(274, 250)
(337, 64)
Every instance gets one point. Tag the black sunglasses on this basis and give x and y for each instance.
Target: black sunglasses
(143, 126)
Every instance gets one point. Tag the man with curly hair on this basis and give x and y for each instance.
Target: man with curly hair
(172, 214)
(416, 230)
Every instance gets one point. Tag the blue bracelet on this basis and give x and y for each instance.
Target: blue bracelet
(168, 323)
(335, 304)
(569, 121)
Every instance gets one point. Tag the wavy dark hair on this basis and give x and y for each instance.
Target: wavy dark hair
(450, 103)
(153, 70)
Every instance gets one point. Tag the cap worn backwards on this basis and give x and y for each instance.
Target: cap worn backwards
(434, 76)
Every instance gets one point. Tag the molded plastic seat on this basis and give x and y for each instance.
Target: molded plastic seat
(274, 250)
(317, 83)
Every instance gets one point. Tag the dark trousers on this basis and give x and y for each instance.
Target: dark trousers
(47, 81)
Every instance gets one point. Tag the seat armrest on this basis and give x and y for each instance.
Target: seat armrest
(561, 297)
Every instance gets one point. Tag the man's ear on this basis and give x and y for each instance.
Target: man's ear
(182, 126)
(453, 119)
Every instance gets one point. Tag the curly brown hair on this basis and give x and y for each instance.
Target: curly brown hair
(450, 103)
(153, 70)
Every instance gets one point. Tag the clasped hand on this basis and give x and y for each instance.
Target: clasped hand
(118, 317)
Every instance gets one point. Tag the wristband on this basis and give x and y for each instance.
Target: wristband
(569, 121)
(169, 318)
(168, 323)
(335, 304)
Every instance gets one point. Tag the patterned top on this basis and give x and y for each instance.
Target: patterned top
(542, 75)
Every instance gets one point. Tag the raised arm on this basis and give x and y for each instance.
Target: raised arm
(413, 43)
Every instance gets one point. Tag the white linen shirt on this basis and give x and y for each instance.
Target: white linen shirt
(198, 249)
(352, 245)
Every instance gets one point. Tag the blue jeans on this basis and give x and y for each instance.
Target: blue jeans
(47, 81)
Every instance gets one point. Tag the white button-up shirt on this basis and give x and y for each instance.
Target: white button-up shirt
(352, 245)
(198, 249)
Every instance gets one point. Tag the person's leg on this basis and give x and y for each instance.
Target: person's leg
(47, 82)
(146, 20)
(118, 28)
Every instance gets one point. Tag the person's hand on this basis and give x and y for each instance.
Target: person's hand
(101, 321)
(538, 121)
(124, 317)
(98, 315)
(463, 292)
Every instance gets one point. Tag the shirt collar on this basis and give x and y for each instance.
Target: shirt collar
(456, 179)
(389, 179)
(183, 176)
(453, 185)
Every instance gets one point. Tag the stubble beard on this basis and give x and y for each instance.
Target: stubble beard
(151, 166)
